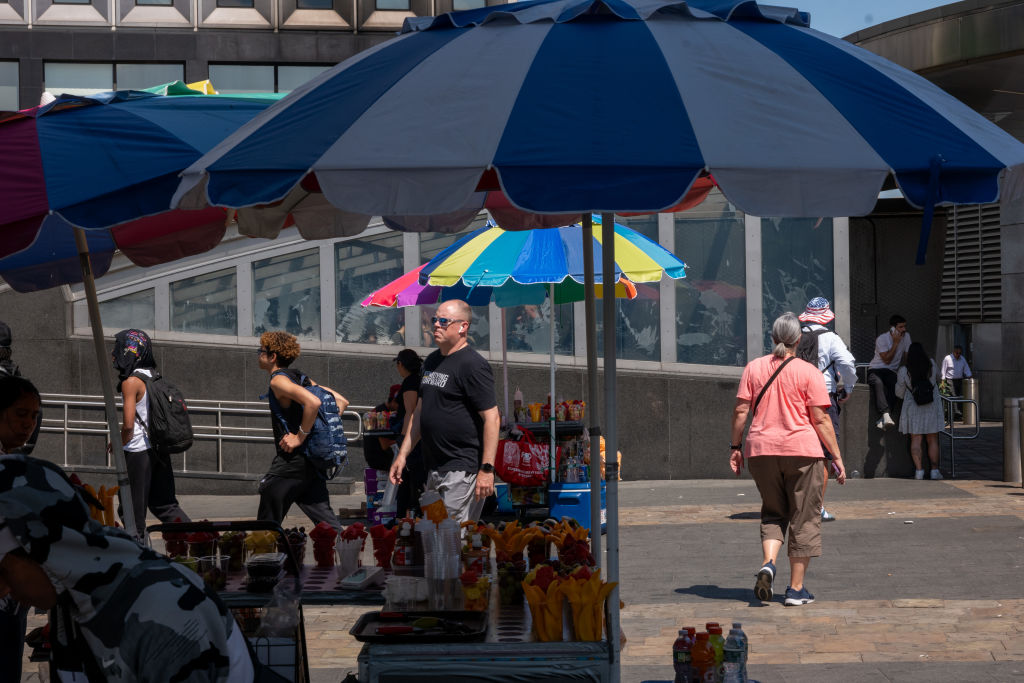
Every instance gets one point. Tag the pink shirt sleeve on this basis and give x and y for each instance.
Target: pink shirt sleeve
(745, 391)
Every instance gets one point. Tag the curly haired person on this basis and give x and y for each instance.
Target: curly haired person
(292, 478)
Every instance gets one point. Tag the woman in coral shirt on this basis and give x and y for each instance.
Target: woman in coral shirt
(783, 450)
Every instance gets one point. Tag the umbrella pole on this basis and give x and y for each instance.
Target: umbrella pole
(611, 434)
(509, 418)
(594, 429)
(551, 389)
(114, 428)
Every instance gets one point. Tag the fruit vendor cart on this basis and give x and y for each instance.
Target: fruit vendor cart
(507, 652)
(512, 625)
(250, 593)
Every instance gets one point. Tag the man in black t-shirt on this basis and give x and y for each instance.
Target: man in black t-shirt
(456, 418)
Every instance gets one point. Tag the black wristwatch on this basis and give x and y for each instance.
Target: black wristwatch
(487, 468)
(736, 446)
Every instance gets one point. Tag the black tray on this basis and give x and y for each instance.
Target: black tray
(365, 630)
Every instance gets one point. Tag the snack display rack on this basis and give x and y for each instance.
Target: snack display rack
(561, 496)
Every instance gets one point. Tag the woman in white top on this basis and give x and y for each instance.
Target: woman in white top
(920, 420)
(149, 473)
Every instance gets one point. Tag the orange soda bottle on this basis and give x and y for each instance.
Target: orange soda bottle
(703, 659)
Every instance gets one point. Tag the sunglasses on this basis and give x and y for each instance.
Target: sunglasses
(443, 323)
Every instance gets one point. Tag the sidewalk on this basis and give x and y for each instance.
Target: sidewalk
(919, 581)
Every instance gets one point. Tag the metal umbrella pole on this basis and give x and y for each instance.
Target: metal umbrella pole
(510, 419)
(611, 467)
(552, 464)
(594, 429)
(102, 363)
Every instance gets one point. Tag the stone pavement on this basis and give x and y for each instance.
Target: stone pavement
(919, 581)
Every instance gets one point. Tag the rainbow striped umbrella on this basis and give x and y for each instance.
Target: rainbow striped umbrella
(407, 291)
(492, 257)
(522, 267)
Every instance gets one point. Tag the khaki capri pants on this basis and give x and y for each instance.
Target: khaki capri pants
(790, 488)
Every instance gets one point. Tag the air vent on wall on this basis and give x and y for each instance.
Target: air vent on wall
(971, 272)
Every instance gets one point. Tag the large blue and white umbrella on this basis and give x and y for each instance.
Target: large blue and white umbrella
(572, 106)
(579, 106)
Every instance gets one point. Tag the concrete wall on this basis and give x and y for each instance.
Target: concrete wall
(1012, 240)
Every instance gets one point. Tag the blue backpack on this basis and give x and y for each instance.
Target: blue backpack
(326, 446)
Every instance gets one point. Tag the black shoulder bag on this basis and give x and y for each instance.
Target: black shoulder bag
(769, 383)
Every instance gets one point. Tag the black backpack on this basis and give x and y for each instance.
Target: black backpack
(922, 392)
(807, 349)
(169, 429)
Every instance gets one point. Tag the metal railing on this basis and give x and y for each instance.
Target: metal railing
(58, 418)
(949, 404)
(862, 372)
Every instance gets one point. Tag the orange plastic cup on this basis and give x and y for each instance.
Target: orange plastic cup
(433, 507)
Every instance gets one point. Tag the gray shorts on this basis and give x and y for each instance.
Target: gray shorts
(458, 491)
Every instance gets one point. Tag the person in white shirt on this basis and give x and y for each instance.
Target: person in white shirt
(890, 353)
(955, 369)
(837, 367)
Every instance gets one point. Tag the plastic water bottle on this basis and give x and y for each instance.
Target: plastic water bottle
(738, 627)
(732, 659)
(682, 655)
(855, 475)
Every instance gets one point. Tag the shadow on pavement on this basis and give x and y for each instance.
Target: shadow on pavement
(713, 592)
(754, 514)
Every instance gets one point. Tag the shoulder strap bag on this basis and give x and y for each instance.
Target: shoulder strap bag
(769, 383)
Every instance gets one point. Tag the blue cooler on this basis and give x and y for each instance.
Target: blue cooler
(573, 500)
(504, 504)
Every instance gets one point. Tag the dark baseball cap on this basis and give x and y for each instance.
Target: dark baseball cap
(5, 334)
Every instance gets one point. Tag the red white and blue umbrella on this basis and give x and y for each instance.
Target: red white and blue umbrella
(107, 163)
(570, 106)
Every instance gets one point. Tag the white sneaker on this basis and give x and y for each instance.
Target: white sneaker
(887, 421)
(935, 474)
(918, 474)
(880, 424)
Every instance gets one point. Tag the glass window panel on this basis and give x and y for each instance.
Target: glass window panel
(140, 76)
(638, 327)
(291, 77)
(78, 79)
(363, 266)
(242, 78)
(164, 3)
(711, 302)
(458, 5)
(393, 4)
(235, 4)
(529, 328)
(286, 294)
(431, 244)
(9, 86)
(796, 266)
(131, 310)
(314, 4)
(72, 2)
(206, 304)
